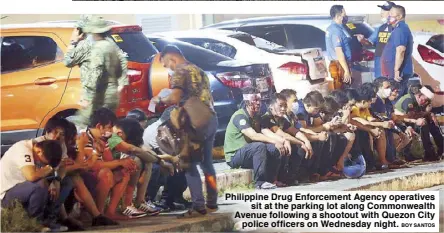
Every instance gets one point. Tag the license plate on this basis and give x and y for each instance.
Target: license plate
(261, 84)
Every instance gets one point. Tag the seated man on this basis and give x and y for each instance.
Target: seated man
(173, 186)
(25, 168)
(246, 147)
(109, 174)
(383, 110)
(140, 116)
(413, 108)
(275, 125)
(126, 142)
(369, 129)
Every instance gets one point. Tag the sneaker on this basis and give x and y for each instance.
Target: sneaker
(266, 185)
(73, 225)
(103, 221)
(54, 227)
(133, 212)
(193, 213)
(212, 208)
(187, 204)
(149, 208)
(176, 206)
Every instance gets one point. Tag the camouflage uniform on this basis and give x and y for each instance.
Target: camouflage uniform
(102, 73)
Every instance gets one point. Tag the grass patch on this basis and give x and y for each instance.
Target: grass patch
(16, 219)
(237, 188)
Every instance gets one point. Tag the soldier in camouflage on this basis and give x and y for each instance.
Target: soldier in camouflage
(103, 67)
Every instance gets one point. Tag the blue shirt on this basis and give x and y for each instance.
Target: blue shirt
(337, 36)
(400, 36)
(382, 107)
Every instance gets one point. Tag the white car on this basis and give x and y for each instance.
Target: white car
(308, 31)
(303, 70)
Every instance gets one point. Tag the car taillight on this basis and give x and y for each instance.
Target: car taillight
(134, 75)
(367, 55)
(295, 68)
(234, 79)
(121, 29)
(430, 56)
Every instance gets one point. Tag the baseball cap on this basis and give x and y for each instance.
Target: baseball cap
(387, 5)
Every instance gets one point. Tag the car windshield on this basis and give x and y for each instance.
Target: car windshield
(268, 45)
(135, 45)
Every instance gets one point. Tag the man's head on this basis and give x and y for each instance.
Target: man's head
(340, 97)
(171, 56)
(55, 129)
(385, 9)
(291, 97)
(48, 152)
(352, 96)
(423, 94)
(365, 96)
(338, 14)
(278, 105)
(70, 134)
(103, 120)
(130, 131)
(313, 102)
(329, 109)
(371, 87)
(80, 25)
(396, 14)
(384, 87)
(138, 115)
(395, 90)
(252, 101)
(98, 27)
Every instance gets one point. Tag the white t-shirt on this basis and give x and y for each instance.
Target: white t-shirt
(18, 156)
(150, 134)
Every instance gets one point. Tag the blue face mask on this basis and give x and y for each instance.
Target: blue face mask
(295, 107)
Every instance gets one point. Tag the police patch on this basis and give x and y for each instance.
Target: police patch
(242, 122)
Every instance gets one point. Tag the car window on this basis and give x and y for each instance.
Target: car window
(135, 45)
(201, 57)
(273, 33)
(305, 36)
(27, 52)
(213, 45)
(437, 42)
(244, 38)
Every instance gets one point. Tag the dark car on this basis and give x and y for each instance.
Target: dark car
(227, 78)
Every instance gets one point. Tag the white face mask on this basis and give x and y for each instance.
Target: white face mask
(385, 93)
(170, 72)
(295, 107)
(384, 20)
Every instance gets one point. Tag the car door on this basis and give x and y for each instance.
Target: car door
(33, 79)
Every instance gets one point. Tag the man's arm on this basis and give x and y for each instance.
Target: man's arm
(400, 52)
(144, 155)
(95, 74)
(258, 137)
(77, 54)
(32, 174)
(342, 60)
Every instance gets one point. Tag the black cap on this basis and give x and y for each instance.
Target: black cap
(387, 6)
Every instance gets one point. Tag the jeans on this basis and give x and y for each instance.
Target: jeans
(192, 174)
(263, 158)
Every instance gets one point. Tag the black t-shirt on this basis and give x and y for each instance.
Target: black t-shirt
(268, 122)
(383, 35)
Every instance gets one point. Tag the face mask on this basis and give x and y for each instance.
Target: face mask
(295, 107)
(391, 20)
(170, 72)
(345, 19)
(384, 20)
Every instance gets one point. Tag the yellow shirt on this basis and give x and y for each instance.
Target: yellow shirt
(361, 113)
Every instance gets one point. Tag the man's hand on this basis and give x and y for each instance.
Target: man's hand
(54, 190)
(323, 136)
(398, 76)
(360, 37)
(375, 132)
(388, 124)
(287, 146)
(420, 122)
(129, 164)
(167, 166)
(76, 36)
(281, 148)
(347, 77)
(308, 148)
(410, 132)
(327, 126)
(352, 128)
